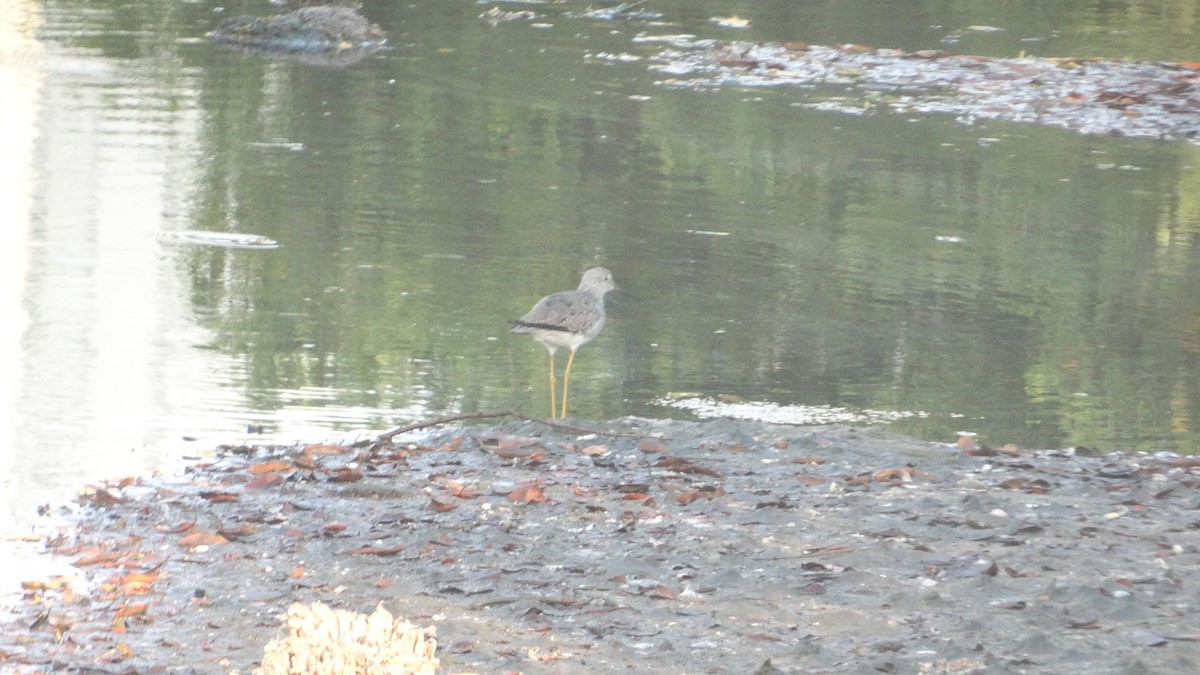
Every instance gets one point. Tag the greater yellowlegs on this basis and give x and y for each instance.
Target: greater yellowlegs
(569, 319)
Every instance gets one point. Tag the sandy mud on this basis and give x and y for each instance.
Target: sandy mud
(642, 547)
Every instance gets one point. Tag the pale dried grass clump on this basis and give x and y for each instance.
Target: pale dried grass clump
(326, 641)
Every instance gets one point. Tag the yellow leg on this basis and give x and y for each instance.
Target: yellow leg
(553, 393)
(567, 383)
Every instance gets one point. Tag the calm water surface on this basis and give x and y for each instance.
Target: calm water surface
(1032, 285)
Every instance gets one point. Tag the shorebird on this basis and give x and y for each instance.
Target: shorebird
(568, 319)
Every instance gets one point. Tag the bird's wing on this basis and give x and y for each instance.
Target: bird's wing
(568, 312)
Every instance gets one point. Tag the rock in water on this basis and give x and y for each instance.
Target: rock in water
(309, 29)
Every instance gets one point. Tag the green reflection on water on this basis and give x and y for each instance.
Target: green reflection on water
(1030, 284)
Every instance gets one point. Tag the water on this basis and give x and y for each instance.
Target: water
(1029, 284)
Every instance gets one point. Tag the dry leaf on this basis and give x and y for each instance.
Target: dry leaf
(377, 550)
(264, 481)
(461, 491)
(633, 487)
(346, 475)
(137, 584)
(269, 466)
(99, 558)
(219, 497)
(202, 539)
(515, 442)
(519, 454)
(527, 493)
(243, 530)
(649, 446)
(325, 449)
(886, 475)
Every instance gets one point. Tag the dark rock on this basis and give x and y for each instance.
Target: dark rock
(309, 29)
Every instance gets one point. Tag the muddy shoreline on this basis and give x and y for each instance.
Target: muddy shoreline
(650, 546)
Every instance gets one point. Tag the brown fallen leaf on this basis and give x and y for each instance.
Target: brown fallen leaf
(98, 496)
(894, 474)
(269, 466)
(461, 491)
(441, 507)
(131, 609)
(514, 442)
(706, 492)
(661, 593)
(100, 558)
(535, 454)
(305, 461)
(325, 449)
(243, 530)
(651, 446)
(684, 465)
(377, 550)
(346, 475)
(219, 497)
(527, 493)
(136, 583)
(264, 481)
(633, 487)
(202, 539)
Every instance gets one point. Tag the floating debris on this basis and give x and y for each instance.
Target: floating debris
(625, 10)
(730, 21)
(278, 145)
(219, 239)
(496, 16)
(773, 413)
(1091, 96)
(623, 57)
